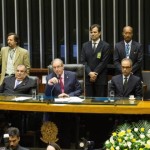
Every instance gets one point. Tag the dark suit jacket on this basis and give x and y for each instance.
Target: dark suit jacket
(96, 61)
(134, 86)
(21, 148)
(25, 87)
(72, 86)
(136, 55)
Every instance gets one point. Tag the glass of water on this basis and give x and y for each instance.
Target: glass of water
(111, 96)
(34, 94)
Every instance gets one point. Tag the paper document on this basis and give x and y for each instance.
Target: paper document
(69, 100)
(21, 98)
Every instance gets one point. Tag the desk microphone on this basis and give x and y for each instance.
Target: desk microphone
(6, 140)
(54, 84)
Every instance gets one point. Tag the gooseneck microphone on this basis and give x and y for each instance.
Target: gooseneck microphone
(6, 141)
(54, 84)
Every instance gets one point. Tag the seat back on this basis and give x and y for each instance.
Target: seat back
(37, 81)
(146, 82)
(78, 68)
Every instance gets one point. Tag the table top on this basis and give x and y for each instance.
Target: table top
(87, 106)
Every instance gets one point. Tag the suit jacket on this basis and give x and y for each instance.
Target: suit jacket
(134, 86)
(21, 148)
(72, 86)
(136, 55)
(25, 87)
(96, 61)
(21, 57)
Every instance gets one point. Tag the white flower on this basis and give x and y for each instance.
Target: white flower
(148, 142)
(148, 135)
(148, 131)
(111, 140)
(136, 129)
(129, 144)
(107, 142)
(142, 136)
(117, 148)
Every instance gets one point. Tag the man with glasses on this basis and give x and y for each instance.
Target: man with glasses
(62, 83)
(126, 84)
(128, 48)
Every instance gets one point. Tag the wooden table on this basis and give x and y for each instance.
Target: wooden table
(143, 107)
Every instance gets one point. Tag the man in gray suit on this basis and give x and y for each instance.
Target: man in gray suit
(126, 84)
(19, 83)
(14, 139)
(11, 56)
(129, 48)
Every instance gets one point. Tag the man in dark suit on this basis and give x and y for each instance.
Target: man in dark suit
(126, 84)
(129, 48)
(95, 56)
(14, 139)
(18, 84)
(62, 83)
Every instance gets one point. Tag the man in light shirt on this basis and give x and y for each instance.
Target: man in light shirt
(11, 56)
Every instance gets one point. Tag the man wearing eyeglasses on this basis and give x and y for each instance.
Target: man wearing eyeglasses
(126, 84)
(128, 48)
(62, 83)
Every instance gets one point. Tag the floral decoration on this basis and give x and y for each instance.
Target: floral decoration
(135, 136)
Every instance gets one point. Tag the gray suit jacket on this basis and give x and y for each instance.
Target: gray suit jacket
(21, 58)
(25, 87)
(134, 86)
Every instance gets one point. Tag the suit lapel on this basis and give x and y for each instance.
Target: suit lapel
(6, 54)
(17, 54)
(122, 49)
(133, 47)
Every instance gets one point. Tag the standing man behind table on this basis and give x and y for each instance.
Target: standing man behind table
(62, 83)
(129, 48)
(95, 56)
(14, 139)
(13, 55)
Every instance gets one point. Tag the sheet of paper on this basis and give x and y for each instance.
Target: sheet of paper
(21, 98)
(69, 99)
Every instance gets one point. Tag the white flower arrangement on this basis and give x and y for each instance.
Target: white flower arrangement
(135, 136)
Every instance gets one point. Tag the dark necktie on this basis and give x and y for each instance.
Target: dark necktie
(127, 50)
(125, 83)
(94, 47)
(61, 85)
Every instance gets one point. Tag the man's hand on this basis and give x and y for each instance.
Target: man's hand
(93, 76)
(52, 81)
(63, 95)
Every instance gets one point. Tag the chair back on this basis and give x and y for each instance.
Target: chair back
(37, 81)
(78, 68)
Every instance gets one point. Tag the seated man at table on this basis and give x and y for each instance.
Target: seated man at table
(126, 84)
(62, 83)
(18, 84)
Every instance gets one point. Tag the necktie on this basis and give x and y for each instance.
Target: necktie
(17, 83)
(127, 50)
(94, 47)
(61, 85)
(125, 83)
(12, 54)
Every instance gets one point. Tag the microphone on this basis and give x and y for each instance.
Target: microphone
(6, 140)
(52, 97)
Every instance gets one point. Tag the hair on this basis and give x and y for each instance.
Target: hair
(56, 146)
(20, 65)
(13, 131)
(57, 59)
(95, 25)
(16, 37)
(127, 59)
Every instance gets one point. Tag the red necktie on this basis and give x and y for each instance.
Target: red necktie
(61, 85)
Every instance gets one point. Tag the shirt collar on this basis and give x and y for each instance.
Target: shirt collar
(128, 43)
(126, 77)
(96, 41)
